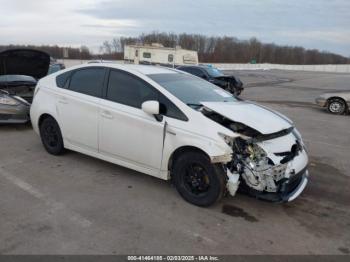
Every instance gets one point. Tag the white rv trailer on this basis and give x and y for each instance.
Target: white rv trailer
(157, 54)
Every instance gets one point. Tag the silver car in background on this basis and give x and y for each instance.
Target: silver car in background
(19, 71)
(15, 108)
(336, 102)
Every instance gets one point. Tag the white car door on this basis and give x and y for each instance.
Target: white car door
(78, 108)
(126, 132)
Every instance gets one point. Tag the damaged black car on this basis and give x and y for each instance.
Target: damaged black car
(212, 74)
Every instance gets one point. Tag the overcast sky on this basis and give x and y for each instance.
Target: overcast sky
(322, 24)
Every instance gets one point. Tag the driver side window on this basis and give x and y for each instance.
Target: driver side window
(125, 89)
(130, 90)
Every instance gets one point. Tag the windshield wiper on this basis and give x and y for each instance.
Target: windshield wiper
(192, 104)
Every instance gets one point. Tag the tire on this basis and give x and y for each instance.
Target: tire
(51, 136)
(197, 180)
(336, 106)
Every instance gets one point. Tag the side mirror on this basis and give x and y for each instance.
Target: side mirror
(152, 107)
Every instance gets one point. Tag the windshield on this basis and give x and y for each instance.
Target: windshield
(214, 72)
(192, 90)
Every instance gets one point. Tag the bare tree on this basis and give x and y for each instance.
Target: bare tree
(106, 47)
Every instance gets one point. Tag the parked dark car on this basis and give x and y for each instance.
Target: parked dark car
(230, 83)
(19, 71)
(55, 67)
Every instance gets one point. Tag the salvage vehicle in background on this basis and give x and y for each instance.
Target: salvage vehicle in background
(19, 71)
(230, 83)
(336, 102)
(13, 108)
(171, 125)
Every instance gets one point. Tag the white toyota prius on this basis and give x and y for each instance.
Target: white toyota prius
(171, 125)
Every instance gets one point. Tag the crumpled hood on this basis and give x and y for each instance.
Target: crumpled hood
(24, 62)
(261, 119)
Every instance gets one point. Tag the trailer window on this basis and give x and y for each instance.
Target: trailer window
(136, 53)
(146, 55)
(170, 58)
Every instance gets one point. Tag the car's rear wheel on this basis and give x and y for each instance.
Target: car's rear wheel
(197, 180)
(51, 136)
(336, 106)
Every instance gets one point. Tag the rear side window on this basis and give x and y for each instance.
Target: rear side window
(198, 72)
(194, 71)
(129, 90)
(88, 81)
(186, 69)
(62, 79)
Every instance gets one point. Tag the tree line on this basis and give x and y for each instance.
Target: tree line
(211, 49)
(225, 49)
(55, 51)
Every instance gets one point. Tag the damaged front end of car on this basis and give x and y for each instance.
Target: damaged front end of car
(229, 83)
(13, 109)
(19, 71)
(271, 167)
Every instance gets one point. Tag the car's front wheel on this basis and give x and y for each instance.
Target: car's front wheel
(197, 180)
(51, 136)
(336, 106)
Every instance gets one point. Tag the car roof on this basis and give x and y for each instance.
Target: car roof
(143, 69)
(196, 66)
(337, 93)
(149, 69)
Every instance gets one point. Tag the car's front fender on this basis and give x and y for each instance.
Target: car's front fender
(176, 138)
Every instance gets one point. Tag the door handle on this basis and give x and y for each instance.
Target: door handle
(63, 100)
(107, 114)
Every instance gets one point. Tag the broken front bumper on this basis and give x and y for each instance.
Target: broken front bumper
(289, 189)
(294, 182)
(290, 178)
(294, 186)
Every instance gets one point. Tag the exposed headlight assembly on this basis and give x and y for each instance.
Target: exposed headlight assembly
(228, 139)
(297, 135)
(7, 100)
